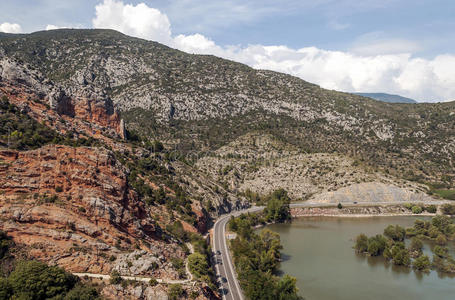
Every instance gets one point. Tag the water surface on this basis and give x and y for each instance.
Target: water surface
(318, 252)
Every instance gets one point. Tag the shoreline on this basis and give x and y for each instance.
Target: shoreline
(357, 212)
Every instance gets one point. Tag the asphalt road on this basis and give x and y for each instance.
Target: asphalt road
(230, 287)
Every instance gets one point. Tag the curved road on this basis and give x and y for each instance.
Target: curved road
(230, 287)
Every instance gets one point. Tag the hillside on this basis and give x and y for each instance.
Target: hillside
(114, 148)
(387, 97)
(203, 102)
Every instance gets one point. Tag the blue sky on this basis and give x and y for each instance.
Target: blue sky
(404, 40)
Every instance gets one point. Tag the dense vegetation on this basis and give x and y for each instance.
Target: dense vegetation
(391, 245)
(19, 131)
(257, 256)
(32, 280)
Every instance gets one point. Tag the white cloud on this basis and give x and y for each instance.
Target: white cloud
(140, 20)
(10, 28)
(52, 27)
(374, 65)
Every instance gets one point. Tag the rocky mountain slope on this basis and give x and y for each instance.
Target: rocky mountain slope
(208, 101)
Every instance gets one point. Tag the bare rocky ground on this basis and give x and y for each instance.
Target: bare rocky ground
(261, 163)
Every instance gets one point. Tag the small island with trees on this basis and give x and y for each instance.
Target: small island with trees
(391, 245)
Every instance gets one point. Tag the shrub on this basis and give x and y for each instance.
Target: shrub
(153, 282)
(440, 251)
(396, 233)
(416, 209)
(339, 206)
(401, 258)
(197, 263)
(448, 209)
(81, 292)
(441, 240)
(5, 289)
(361, 243)
(115, 277)
(431, 209)
(422, 263)
(175, 291)
(376, 245)
(416, 245)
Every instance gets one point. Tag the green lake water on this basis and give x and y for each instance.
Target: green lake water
(318, 252)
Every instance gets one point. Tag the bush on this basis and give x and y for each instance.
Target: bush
(401, 257)
(197, 263)
(376, 245)
(339, 206)
(115, 277)
(396, 233)
(81, 292)
(361, 243)
(5, 289)
(431, 209)
(153, 282)
(422, 263)
(448, 209)
(175, 291)
(441, 240)
(416, 209)
(416, 245)
(442, 252)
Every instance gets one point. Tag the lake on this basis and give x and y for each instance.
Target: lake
(318, 252)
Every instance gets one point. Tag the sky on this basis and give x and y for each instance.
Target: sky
(394, 46)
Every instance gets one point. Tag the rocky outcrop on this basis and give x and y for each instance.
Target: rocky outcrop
(73, 207)
(88, 105)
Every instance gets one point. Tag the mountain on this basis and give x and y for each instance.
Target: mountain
(387, 97)
(117, 152)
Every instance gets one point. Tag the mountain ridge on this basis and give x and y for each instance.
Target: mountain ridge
(385, 97)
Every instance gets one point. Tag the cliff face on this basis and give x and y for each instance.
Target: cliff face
(73, 207)
(91, 110)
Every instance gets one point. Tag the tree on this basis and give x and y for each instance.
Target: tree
(376, 245)
(401, 258)
(416, 245)
(442, 223)
(448, 209)
(36, 280)
(361, 243)
(197, 263)
(441, 240)
(286, 289)
(5, 289)
(277, 209)
(442, 252)
(396, 233)
(422, 263)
